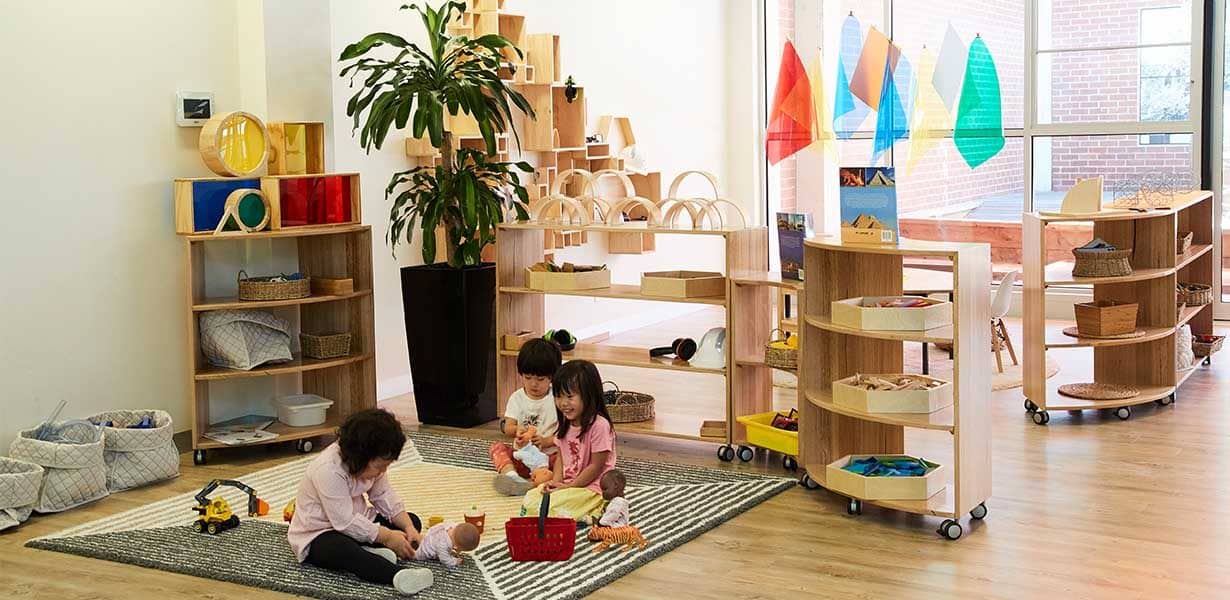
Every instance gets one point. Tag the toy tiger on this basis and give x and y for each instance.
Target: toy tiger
(615, 536)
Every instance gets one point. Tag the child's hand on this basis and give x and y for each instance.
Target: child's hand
(415, 538)
(397, 542)
(536, 440)
(551, 486)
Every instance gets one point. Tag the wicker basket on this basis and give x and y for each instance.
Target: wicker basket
(1102, 263)
(1184, 242)
(265, 288)
(627, 407)
(1207, 348)
(781, 358)
(1195, 294)
(325, 346)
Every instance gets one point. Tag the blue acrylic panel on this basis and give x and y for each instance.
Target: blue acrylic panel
(209, 200)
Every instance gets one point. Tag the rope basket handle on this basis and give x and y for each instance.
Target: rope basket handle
(242, 275)
(613, 384)
(785, 335)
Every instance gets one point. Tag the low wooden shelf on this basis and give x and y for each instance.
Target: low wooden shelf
(939, 505)
(285, 432)
(617, 291)
(940, 420)
(298, 365)
(938, 335)
(233, 303)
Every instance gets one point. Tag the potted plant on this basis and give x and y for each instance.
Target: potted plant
(450, 305)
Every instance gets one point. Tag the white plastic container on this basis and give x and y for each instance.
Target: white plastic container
(302, 410)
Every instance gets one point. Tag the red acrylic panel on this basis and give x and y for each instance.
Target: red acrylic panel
(315, 200)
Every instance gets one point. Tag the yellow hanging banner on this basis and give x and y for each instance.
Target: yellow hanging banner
(930, 121)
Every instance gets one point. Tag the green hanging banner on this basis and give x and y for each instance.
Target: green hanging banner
(979, 131)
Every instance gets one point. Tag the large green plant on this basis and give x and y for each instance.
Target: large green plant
(467, 193)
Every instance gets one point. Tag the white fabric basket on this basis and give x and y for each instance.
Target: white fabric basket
(244, 339)
(20, 482)
(137, 457)
(73, 473)
(1184, 356)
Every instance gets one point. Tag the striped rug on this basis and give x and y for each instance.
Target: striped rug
(436, 475)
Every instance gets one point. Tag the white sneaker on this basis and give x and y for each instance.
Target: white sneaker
(384, 553)
(512, 484)
(412, 581)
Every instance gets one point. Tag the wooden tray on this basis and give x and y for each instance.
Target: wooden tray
(1098, 391)
(1075, 332)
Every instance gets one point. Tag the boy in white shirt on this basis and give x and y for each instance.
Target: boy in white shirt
(532, 405)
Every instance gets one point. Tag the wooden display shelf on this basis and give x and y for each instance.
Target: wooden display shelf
(1181, 202)
(771, 279)
(674, 425)
(298, 365)
(626, 356)
(232, 302)
(940, 420)
(938, 335)
(1147, 394)
(1190, 313)
(285, 432)
(293, 232)
(939, 505)
(634, 227)
(1183, 260)
(620, 292)
(1061, 340)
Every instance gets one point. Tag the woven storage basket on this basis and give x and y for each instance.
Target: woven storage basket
(1195, 294)
(1184, 242)
(781, 358)
(20, 482)
(325, 346)
(137, 457)
(265, 288)
(74, 472)
(1203, 349)
(627, 407)
(1102, 263)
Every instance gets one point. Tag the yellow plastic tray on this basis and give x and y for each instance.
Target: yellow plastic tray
(761, 433)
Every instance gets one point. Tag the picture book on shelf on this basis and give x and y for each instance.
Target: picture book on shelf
(869, 205)
(792, 230)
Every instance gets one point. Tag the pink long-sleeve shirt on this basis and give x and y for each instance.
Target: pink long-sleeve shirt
(331, 499)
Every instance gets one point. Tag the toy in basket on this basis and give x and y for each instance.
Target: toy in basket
(1206, 345)
(278, 287)
(782, 352)
(541, 538)
(627, 406)
(774, 431)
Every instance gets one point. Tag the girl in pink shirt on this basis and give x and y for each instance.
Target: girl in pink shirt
(586, 444)
(335, 528)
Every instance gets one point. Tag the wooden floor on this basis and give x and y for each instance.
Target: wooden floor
(1087, 507)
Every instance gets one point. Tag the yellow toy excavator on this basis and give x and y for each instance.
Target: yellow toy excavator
(215, 515)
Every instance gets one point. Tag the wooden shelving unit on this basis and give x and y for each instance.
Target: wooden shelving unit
(1147, 362)
(748, 322)
(339, 251)
(836, 271)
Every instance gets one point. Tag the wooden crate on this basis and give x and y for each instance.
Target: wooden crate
(1105, 317)
(296, 147)
(883, 488)
(587, 280)
(848, 395)
(329, 286)
(683, 284)
(851, 313)
(514, 341)
(201, 202)
(542, 51)
(568, 118)
(293, 199)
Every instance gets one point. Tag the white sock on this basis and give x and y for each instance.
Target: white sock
(412, 581)
(384, 553)
(515, 477)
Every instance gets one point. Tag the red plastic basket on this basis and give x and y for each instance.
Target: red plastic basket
(541, 538)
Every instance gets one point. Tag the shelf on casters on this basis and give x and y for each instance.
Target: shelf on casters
(1061, 340)
(938, 335)
(634, 227)
(621, 292)
(1187, 258)
(625, 356)
(1190, 313)
(298, 365)
(765, 278)
(285, 432)
(677, 426)
(232, 302)
(759, 361)
(1187, 200)
(290, 232)
(939, 505)
(941, 420)
(1148, 393)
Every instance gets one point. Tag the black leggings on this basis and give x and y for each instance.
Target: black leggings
(339, 552)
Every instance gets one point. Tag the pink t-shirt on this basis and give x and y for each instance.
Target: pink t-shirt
(575, 451)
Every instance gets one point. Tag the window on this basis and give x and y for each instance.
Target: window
(1165, 71)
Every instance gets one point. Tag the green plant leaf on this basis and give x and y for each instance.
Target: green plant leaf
(373, 40)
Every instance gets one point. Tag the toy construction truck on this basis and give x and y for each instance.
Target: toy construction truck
(215, 515)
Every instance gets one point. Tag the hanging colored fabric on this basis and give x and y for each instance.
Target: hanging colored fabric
(878, 57)
(930, 119)
(892, 123)
(790, 120)
(822, 131)
(950, 68)
(979, 132)
(848, 111)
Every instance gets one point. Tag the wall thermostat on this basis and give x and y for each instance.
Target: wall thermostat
(192, 109)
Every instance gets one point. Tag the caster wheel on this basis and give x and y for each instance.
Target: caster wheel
(1123, 412)
(304, 446)
(725, 453)
(1208, 360)
(979, 513)
(746, 453)
(809, 483)
(1168, 400)
(950, 529)
(789, 463)
(1042, 417)
(854, 507)
(1030, 407)
(198, 457)
(1074, 412)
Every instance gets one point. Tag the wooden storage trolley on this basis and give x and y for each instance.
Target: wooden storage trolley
(828, 432)
(1146, 362)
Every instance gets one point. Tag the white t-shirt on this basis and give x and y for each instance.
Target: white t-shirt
(539, 413)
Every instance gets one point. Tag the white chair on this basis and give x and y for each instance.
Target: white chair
(999, 308)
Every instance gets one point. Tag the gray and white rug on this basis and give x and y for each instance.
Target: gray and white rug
(671, 504)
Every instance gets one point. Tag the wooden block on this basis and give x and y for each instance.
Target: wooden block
(587, 280)
(848, 395)
(328, 286)
(313, 200)
(514, 341)
(234, 144)
(296, 147)
(201, 202)
(538, 132)
(512, 28)
(542, 51)
(568, 118)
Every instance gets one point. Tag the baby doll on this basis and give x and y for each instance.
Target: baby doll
(617, 508)
(532, 456)
(445, 542)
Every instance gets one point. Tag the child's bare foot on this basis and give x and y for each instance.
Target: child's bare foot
(512, 484)
(412, 581)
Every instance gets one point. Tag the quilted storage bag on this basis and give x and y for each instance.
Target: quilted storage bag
(244, 339)
(136, 457)
(74, 472)
(20, 482)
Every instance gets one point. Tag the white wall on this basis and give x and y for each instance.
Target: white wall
(93, 277)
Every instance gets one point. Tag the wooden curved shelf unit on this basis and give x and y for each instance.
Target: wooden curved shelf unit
(939, 505)
(940, 420)
(1061, 340)
(939, 335)
(1187, 258)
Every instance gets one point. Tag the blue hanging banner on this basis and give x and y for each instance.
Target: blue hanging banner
(848, 112)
